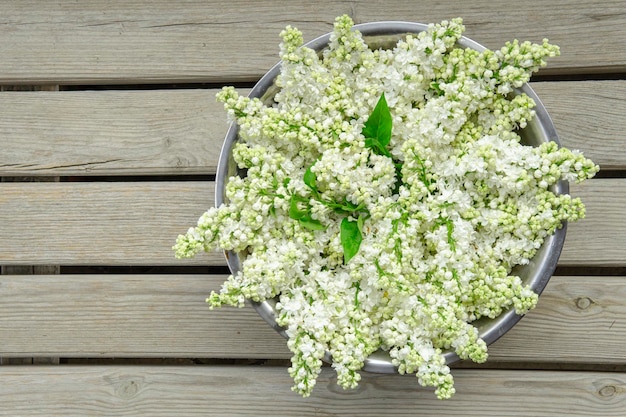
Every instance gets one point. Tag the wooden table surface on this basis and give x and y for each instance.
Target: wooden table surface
(110, 135)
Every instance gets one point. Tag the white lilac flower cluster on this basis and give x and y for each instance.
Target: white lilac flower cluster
(397, 240)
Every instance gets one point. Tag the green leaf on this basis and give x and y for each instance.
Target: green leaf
(311, 224)
(303, 216)
(350, 239)
(435, 86)
(348, 206)
(377, 147)
(310, 179)
(360, 221)
(295, 212)
(344, 207)
(377, 128)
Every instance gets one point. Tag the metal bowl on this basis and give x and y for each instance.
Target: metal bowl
(539, 130)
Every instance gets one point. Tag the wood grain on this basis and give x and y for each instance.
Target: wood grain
(588, 115)
(579, 320)
(209, 41)
(100, 223)
(251, 391)
(172, 132)
(599, 239)
(576, 317)
(136, 223)
(145, 316)
(111, 132)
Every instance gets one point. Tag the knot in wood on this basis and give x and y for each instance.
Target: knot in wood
(583, 303)
(607, 391)
(127, 389)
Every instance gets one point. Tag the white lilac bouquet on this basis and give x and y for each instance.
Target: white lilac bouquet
(386, 198)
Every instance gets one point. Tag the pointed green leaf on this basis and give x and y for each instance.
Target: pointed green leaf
(348, 206)
(376, 146)
(303, 215)
(360, 222)
(295, 212)
(378, 125)
(310, 179)
(350, 239)
(311, 224)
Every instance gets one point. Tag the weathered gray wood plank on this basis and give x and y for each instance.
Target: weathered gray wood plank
(111, 132)
(100, 223)
(181, 131)
(136, 223)
(579, 320)
(137, 41)
(128, 316)
(589, 116)
(600, 238)
(251, 391)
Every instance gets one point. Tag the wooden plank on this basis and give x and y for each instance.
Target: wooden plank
(128, 316)
(100, 223)
(227, 391)
(589, 116)
(136, 223)
(111, 132)
(579, 320)
(181, 131)
(137, 41)
(600, 238)
(29, 269)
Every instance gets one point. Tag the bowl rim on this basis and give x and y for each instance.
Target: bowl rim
(545, 261)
